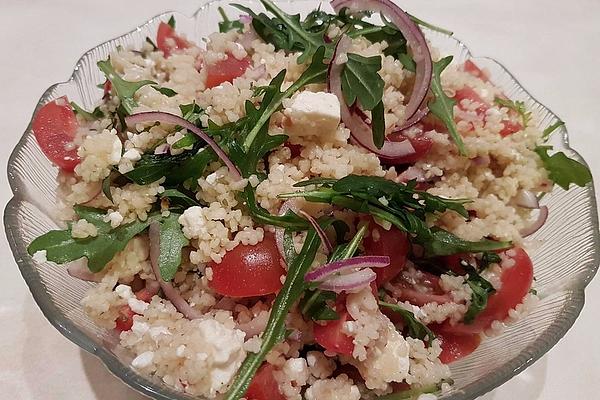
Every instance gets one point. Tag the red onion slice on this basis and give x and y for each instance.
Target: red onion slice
(289, 205)
(537, 224)
(361, 132)
(353, 282)
(527, 199)
(345, 265)
(164, 148)
(414, 38)
(173, 119)
(79, 269)
(170, 292)
(322, 235)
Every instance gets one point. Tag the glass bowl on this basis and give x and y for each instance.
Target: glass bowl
(565, 257)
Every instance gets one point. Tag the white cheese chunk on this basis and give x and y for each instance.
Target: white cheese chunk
(313, 114)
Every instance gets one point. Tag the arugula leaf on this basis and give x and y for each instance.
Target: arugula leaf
(411, 394)
(481, 289)
(563, 170)
(443, 106)
(408, 63)
(165, 90)
(286, 32)
(188, 139)
(488, 258)
(516, 106)
(415, 329)
(289, 249)
(289, 221)
(192, 112)
(549, 130)
(227, 25)
(172, 240)
(406, 208)
(178, 197)
(314, 305)
(444, 243)
(152, 167)
(125, 90)
(90, 116)
(171, 22)
(61, 247)
(151, 42)
(361, 82)
(275, 329)
(430, 26)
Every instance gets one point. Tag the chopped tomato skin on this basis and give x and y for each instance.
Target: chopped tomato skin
(248, 271)
(394, 244)
(331, 335)
(226, 70)
(263, 385)
(421, 143)
(510, 127)
(124, 321)
(144, 295)
(168, 41)
(516, 283)
(474, 70)
(467, 93)
(455, 347)
(54, 127)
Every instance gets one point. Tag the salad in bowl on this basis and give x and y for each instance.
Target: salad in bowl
(318, 206)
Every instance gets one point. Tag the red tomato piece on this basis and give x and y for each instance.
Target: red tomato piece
(248, 271)
(144, 295)
(516, 283)
(263, 385)
(421, 143)
(474, 70)
(455, 347)
(510, 127)
(295, 149)
(168, 41)
(331, 335)
(226, 70)
(394, 244)
(425, 289)
(124, 321)
(54, 127)
(467, 93)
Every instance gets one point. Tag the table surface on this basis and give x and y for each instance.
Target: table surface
(550, 46)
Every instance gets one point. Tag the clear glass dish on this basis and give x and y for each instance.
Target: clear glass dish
(566, 256)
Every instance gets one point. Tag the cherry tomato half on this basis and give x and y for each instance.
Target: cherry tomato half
(226, 70)
(331, 335)
(54, 127)
(394, 244)
(263, 385)
(455, 347)
(248, 271)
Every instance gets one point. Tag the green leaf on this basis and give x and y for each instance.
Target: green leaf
(314, 305)
(61, 247)
(408, 63)
(289, 249)
(430, 26)
(444, 243)
(286, 32)
(361, 81)
(443, 106)
(481, 289)
(415, 329)
(289, 221)
(563, 170)
(275, 329)
(172, 241)
(192, 112)
(188, 139)
(549, 130)
(171, 22)
(516, 106)
(227, 25)
(378, 125)
(154, 46)
(106, 184)
(164, 90)
(89, 116)
(152, 167)
(177, 197)
(125, 90)
(488, 258)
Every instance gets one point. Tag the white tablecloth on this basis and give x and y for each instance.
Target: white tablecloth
(552, 47)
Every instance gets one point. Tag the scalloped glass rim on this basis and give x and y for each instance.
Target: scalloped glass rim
(30, 195)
